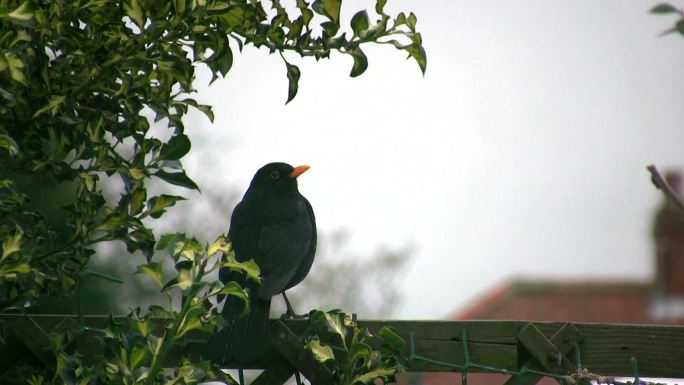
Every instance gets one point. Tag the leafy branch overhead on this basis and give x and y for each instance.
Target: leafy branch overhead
(82, 83)
(669, 9)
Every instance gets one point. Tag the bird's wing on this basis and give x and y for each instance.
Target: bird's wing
(244, 232)
(314, 238)
(281, 252)
(242, 229)
(310, 253)
(283, 248)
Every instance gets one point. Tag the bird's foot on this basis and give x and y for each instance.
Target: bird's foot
(292, 315)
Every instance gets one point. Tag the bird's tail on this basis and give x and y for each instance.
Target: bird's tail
(245, 338)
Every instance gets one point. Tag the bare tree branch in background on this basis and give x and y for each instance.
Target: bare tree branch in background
(365, 283)
(661, 184)
(362, 282)
(351, 281)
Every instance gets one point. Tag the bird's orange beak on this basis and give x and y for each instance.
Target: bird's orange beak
(299, 170)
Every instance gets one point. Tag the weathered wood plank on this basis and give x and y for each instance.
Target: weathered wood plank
(277, 373)
(291, 348)
(544, 351)
(605, 349)
(498, 332)
(564, 339)
(502, 356)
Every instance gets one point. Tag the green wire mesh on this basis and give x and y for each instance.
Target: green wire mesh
(87, 272)
(582, 376)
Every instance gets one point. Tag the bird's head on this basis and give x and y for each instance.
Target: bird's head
(277, 177)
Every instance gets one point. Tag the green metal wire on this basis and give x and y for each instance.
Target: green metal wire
(466, 356)
(468, 365)
(79, 293)
(414, 356)
(635, 369)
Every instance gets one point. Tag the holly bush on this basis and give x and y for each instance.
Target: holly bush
(82, 82)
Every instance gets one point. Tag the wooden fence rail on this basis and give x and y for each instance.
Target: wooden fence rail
(606, 349)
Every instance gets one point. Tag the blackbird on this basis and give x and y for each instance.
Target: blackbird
(274, 225)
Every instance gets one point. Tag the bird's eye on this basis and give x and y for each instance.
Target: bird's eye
(275, 175)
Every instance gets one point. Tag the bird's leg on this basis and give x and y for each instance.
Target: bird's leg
(290, 313)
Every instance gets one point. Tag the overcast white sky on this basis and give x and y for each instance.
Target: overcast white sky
(521, 152)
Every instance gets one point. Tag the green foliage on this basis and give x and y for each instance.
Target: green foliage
(352, 353)
(133, 350)
(664, 8)
(81, 84)
(667, 9)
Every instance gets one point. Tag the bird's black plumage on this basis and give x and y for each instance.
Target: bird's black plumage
(274, 225)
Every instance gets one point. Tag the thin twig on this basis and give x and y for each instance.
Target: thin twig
(660, 183)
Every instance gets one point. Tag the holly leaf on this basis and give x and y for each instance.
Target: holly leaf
(360, 62)
(369, 377)
(391, 337)
(360, 22)
(10, 245)
(250, 268)
(152, 270)
(335, 324)
(24, 14)
(135, 12)
(156, 205)
(220, 244)
(234, 289)
(380, 6)
(178, 179)
(664, 8)
(9, 144)
(328, 8)
(362, 352)
(176, 148)
(293, 75)
(321, 353)
(417, 52)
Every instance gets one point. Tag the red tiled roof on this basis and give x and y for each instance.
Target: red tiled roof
(572, 301)
(605, 301)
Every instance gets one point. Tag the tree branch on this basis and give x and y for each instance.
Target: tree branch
(661, 184)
